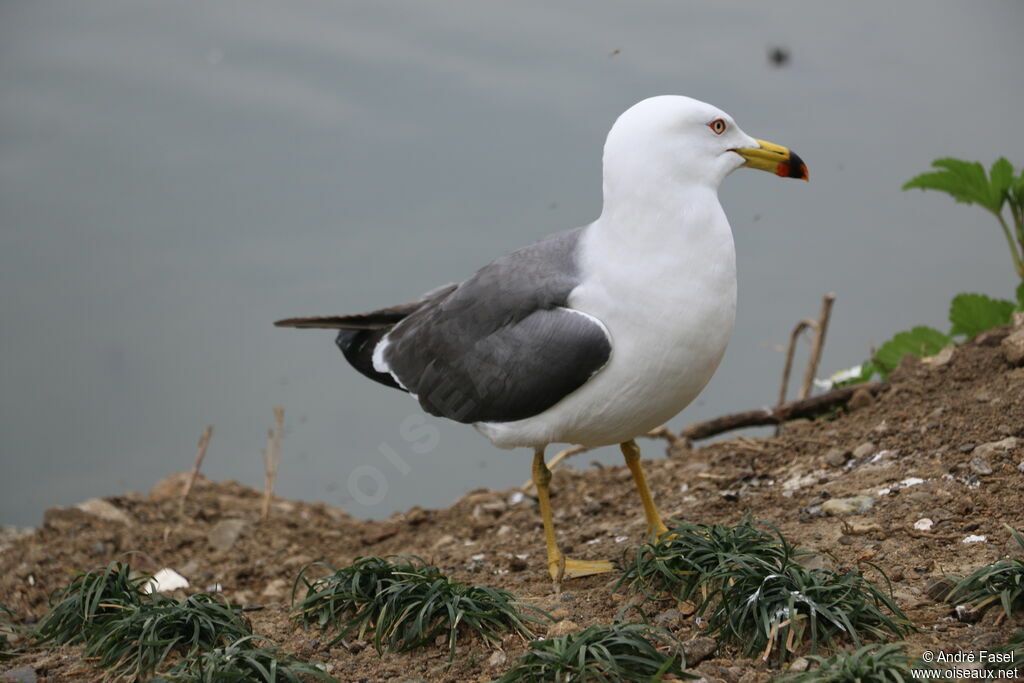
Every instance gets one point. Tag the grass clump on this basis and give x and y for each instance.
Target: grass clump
(752, 590)
(7, 650)
(680, 562)
(878, 663)
(134, 635)
(139, 639)
(89, 600)
(407, 603)
(1001, 582)
(243, 661)
(620, 652)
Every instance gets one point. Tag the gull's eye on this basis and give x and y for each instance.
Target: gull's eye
(718, 126)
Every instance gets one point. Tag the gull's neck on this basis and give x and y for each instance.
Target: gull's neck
(657, 216)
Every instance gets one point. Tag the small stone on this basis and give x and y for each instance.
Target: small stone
(563, 628)
(974, 538)
(698, 649)
(497, 659)
(668, 618)
(23, 674)
(992, 447)
(799, 664)
(966, 447)
(447, 539)
(415, 516)
(864, 450)
(846, 506)
(980, 464)
(105, 511)
(861, 398)
(882, 428)
(357, 646)
(941, 358)
(559, 614)
(1013, 347)
(837, 457)
(173, 485)
(517, 564)
(973, 526)
(923, 524)
(225, 533)
(165, 581)
(276, 589)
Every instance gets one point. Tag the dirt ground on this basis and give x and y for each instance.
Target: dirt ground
(936, 423)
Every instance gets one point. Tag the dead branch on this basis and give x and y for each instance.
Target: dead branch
(808, 407)
(271, 460)
(204, 442)
(794, 337)
(820, 329)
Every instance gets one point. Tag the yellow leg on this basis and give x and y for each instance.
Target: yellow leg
(558, 565)
(655, 527)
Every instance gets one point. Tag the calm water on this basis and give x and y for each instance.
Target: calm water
(175, 176)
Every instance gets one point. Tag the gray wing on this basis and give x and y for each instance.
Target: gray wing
(502, 346)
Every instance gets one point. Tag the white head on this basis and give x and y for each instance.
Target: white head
(676, 141)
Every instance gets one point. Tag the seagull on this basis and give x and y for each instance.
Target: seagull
(592, 336)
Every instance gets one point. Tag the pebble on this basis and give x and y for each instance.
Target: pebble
(497, 659)
(975, 539)
(1013, 347)
(447, 539)
(563, 628)
(698, 649)
(24, 674)
(668, 618)
(861, 398)
(837, 457)
(846, 506)
(799, 664)
(276, 588)
(225, 533)
(980, 464)
(991, 448)
(106, 511)
(864, 450)
(923, 524)
(165, 581)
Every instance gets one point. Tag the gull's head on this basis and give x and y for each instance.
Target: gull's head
(671, 140)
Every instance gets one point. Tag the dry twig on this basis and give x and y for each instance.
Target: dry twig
(271, 460)
(204, 442)
(808, 407)
(820, 327)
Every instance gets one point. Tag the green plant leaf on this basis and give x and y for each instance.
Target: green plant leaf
(1002, 177)
(972, 314)
(965, 181)
(1020, 297)
(919, 341)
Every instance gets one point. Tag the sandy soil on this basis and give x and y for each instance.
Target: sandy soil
(936, 423)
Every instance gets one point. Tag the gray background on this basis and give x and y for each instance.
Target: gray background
(176, 175)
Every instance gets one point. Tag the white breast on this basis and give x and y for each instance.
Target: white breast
(665, 289)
